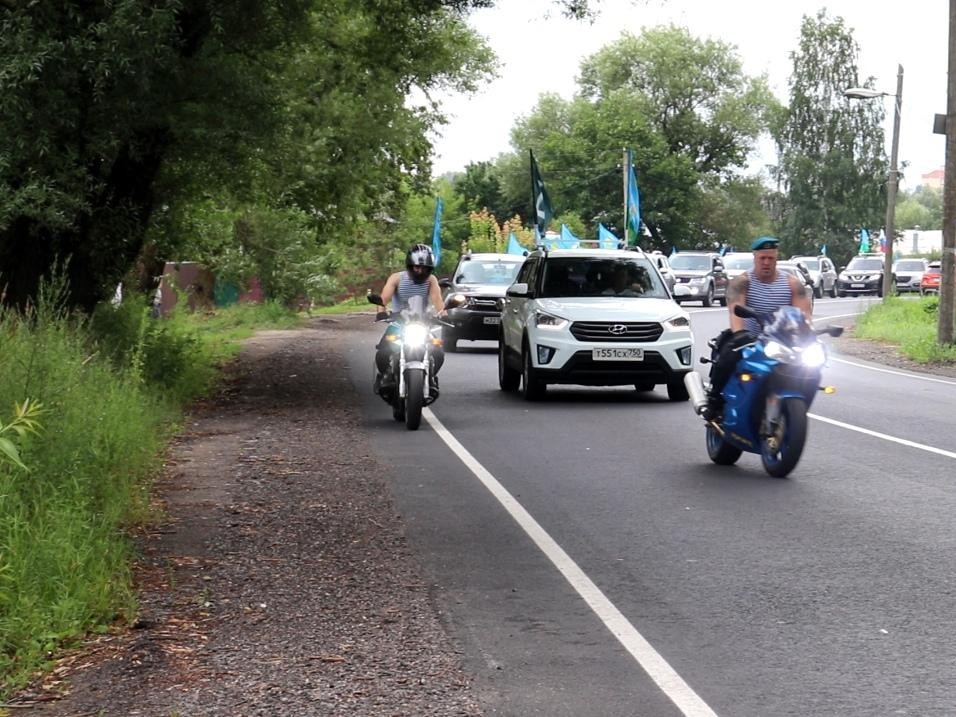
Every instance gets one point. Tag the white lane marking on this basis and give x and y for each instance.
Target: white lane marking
(885, 437)
(666, 678)
(905, 374)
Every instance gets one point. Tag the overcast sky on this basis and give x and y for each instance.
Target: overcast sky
(541, 51)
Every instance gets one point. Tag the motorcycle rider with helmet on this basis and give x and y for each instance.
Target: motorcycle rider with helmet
(764, 289)
(417, 280)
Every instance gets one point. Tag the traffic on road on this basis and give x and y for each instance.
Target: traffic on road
(590, 559)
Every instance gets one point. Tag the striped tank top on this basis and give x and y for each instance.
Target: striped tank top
(766, 298)
(407, 289)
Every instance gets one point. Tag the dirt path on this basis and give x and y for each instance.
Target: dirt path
(281, 583)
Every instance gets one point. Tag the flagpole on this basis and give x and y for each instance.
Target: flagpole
(534, 209)
(624, 175)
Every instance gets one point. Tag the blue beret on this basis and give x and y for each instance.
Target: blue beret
(764, 243)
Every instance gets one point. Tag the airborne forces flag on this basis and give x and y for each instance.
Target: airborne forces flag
(542, 202)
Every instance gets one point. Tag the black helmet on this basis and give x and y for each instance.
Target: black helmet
(420, 255)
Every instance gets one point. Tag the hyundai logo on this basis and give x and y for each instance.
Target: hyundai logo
(617, 329)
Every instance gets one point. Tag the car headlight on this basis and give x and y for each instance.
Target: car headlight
(814, 356)
(415, 334)
(678, 322)
(549, 321)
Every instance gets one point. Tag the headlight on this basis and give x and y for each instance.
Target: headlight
(814, 356)
(548, 321)
(678, 322)
(415, 334)
(777, 351)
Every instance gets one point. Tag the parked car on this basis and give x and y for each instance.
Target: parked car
(929, 283)
(802, 273)
(474, 296)
(822, 272)
(909, 274)
(595, 317)
(699, 276)
(736, 263)
(664, 267)
(863, 275)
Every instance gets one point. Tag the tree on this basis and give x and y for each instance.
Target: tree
(681, 104)
(832, 163)
(480, 188)
(115, 117)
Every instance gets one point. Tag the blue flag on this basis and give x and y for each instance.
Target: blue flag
(568, 240)
(540, 198)
(514, 247)
(723, 249)
(436, 232)
(606, 238)
(823, 250)
(633, 201)
(864, 241)
(673, 250)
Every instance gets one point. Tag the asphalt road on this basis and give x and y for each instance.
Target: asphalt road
(591, 560)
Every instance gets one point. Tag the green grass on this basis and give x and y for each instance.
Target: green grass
(351, 305)
(909, 325)
(112, 390)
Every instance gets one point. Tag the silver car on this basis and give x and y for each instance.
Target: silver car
(909, 274)
(822, 273)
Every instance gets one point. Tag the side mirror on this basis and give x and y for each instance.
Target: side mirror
(835, 331)
(375, 299)
(744, 312)
(518, 290)
(444, 283)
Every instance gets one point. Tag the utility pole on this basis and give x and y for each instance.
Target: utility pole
(889, 285)
(944, 334)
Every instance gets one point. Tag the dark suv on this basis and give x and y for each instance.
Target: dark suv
(699, 276)
(474, 296)
(863, 275)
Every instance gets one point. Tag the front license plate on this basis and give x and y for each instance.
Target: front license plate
(617, 354)
(491, 320)
(857, 286)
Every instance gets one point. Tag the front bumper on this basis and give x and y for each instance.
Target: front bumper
(473, 325)
(690, 291)
(863, 286)
(571, 361)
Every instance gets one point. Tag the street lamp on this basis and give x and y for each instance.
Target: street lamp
(893, 181)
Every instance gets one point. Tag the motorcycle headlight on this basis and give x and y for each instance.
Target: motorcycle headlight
(415, 334)
(549, 321)
(814, 356)
(777, 351)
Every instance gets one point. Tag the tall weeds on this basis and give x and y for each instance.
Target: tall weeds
(111, 390)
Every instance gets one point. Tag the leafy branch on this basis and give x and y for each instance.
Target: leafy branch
(24, 422)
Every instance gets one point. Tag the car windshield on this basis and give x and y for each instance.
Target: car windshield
(909, 266)
(598, 276)
(811, 264)
(488, 272)
(865, 265)
(744, 261)
(690, 262)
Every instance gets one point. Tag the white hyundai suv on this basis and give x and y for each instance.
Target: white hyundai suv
(595, 317)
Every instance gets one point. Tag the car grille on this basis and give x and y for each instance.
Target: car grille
(616, 332)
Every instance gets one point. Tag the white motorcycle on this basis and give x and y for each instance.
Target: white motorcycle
(412, 338)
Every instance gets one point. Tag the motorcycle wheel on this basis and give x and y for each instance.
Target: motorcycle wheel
(780, 461)
(414, 398)
(721, 452)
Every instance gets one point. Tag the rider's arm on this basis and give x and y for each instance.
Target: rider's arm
(801, 297)
(388, 291)
(737, 294)
(434, 293)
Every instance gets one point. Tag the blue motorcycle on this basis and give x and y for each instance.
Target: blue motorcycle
(767, 398)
